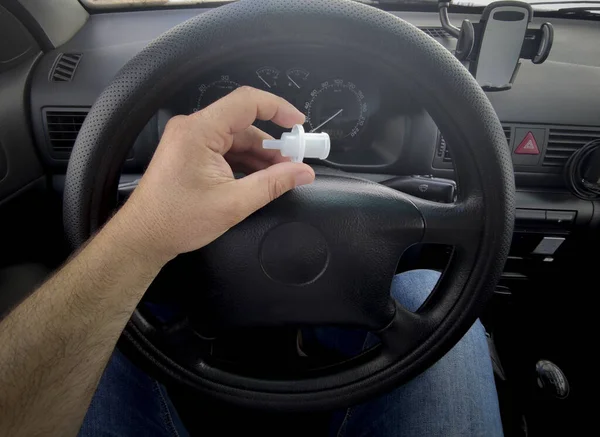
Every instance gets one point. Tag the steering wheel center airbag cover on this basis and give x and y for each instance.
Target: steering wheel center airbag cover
(294, 254)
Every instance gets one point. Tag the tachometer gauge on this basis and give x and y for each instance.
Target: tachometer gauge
(210, 93)
(338, 108)
(268, 77)
(296, 78)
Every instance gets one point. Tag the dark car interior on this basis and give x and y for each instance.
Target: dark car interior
(56, 58)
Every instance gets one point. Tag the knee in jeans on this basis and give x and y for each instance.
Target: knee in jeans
(411, 288)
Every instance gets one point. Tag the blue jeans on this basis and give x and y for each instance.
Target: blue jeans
(454, 397)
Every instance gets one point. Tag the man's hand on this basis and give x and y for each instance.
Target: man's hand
(189, 197)
(55, 345)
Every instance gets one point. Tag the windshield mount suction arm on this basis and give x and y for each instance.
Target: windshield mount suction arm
(449, 27)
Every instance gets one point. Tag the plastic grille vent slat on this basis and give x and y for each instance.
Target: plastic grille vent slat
(435, 32)
(62, 128)
(563, 142)
(65, 67)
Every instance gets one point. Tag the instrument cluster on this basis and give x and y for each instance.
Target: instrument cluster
(366, 116)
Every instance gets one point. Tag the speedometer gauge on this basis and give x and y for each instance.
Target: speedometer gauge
(210, 93)
(337, 108)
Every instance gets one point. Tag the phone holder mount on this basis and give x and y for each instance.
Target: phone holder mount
(492, 49)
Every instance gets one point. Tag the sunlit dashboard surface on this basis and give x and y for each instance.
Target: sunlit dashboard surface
(366, 114)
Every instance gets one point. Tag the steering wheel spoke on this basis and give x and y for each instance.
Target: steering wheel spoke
(457, 224)
(405, 331)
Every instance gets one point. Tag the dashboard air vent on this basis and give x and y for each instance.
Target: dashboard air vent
(443, 150)
(563, 142)
(507, 133)
(435, 32)
(444, 153)
(62, 128)
(64, 67)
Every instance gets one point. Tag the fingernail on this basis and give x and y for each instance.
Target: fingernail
(304, 178)
(303, 118)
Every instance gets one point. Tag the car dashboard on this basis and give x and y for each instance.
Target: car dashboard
(379, 130)
(376, 125)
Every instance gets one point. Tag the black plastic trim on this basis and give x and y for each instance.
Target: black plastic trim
(21, 160)
(23, 15)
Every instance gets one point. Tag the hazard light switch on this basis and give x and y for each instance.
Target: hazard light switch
(528, 145)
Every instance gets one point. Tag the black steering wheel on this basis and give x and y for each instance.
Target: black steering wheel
(324, 253)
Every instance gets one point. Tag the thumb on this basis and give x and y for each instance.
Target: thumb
(259, 188)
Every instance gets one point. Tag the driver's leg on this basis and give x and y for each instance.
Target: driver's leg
(455, 397)
(128, 402)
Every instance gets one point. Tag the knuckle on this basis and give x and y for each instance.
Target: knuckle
(177, 120)
(176, 123)
(245, 89)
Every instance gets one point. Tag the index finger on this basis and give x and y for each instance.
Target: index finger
(238, 110)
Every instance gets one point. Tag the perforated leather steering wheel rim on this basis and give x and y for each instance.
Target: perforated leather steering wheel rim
(446, 89)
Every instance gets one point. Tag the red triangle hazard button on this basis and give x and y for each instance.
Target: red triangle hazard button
(528, 146)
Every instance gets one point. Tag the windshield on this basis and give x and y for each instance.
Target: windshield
(537, 4)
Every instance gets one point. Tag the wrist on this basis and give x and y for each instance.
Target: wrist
(133, 236)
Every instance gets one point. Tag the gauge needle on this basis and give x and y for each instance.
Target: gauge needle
(328, 120)
(294, 82)
(264, 81)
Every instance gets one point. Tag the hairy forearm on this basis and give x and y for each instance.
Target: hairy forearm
(55, 345)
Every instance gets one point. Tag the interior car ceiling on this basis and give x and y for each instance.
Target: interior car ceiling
(540, 310)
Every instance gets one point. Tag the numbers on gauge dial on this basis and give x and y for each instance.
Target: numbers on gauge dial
(213, 91)
(338, 108)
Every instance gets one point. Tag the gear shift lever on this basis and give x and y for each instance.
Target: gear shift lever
(551, 379)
